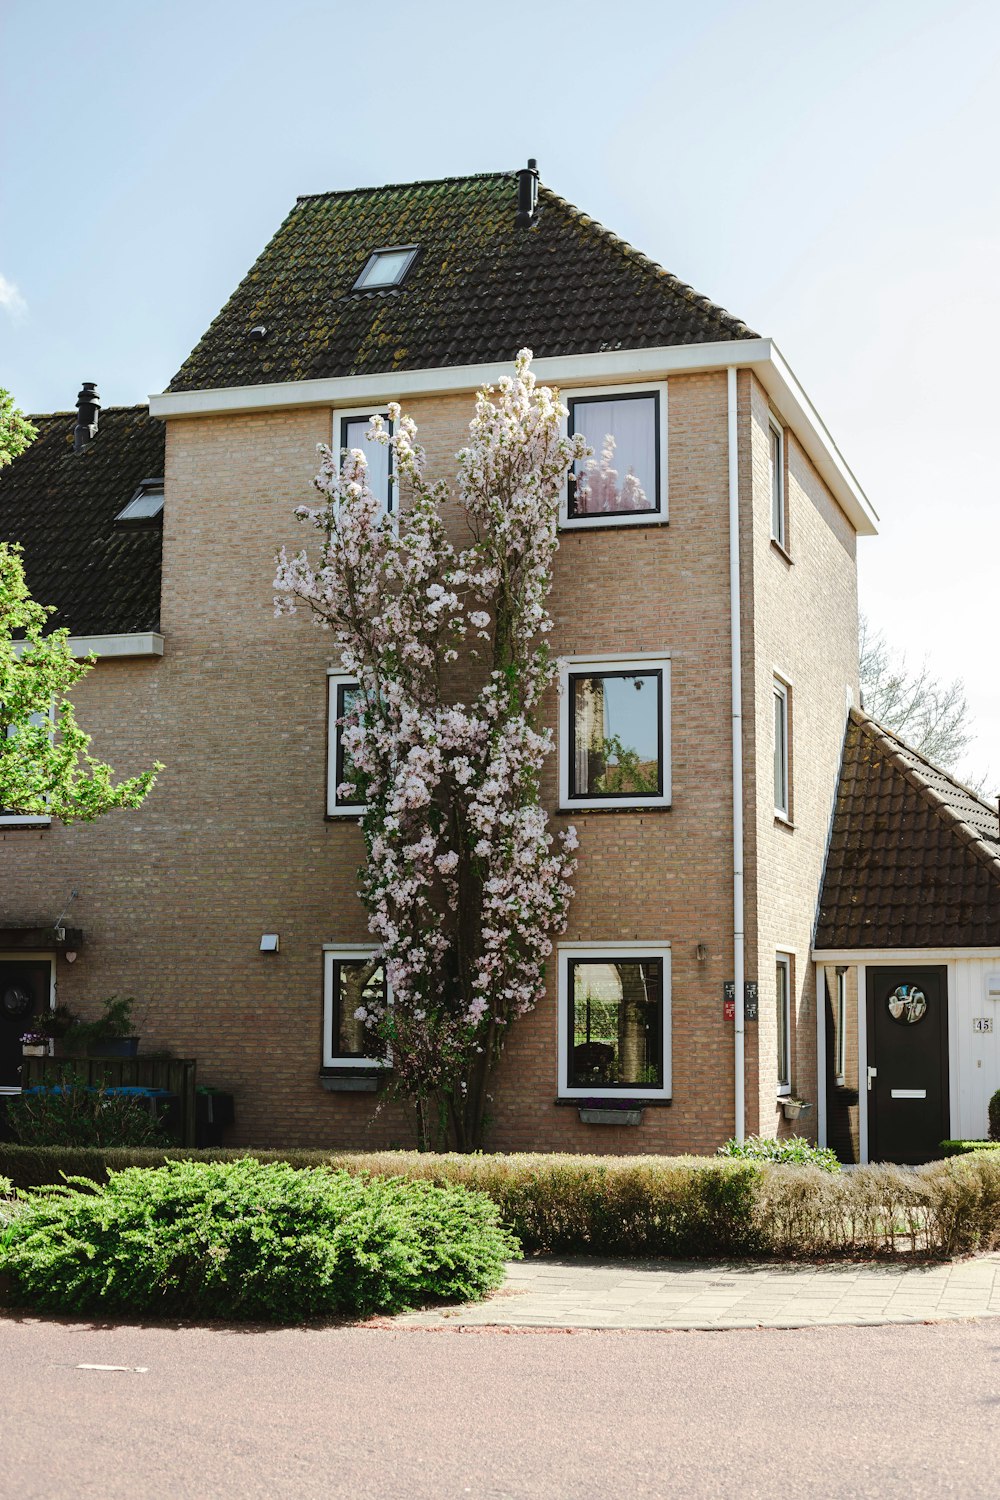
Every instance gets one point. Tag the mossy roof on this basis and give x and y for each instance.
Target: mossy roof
(480, 289)
(914, 856)
(103, 578)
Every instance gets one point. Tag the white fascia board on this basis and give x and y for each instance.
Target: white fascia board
(611, 367)
(908, 955)
(144, 643)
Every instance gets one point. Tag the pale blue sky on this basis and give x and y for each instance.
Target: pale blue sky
(827, 173)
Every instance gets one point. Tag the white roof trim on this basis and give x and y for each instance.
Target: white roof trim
(616, 366)
(145, 643)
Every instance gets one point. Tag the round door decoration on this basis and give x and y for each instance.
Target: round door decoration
(17, 1002)
(907, 1004)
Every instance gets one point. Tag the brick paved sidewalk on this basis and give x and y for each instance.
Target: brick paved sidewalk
(572, 1293)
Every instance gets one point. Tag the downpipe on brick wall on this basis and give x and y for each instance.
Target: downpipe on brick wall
(736, 674)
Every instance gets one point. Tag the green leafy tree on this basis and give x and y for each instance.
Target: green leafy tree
(44, 765)
(16, 432)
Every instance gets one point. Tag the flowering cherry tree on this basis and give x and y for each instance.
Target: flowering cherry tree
(464, 885)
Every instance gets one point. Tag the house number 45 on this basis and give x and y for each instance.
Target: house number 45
(982, 1023)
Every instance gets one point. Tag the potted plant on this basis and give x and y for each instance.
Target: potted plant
(61, 1026)
(113, 1033)
(35, 1044)
(794, 1107)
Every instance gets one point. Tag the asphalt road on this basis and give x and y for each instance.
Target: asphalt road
(410, 1414)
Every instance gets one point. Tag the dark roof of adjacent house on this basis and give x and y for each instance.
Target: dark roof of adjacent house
(479, 289)
(914, 856)
(103, 578)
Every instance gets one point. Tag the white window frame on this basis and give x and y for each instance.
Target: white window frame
(597, 666)
(351, 953)
(365, 414)
(776, 431)
(625, 518)
(782, 692)
(598, 951)
(31, 820)
(840, 1061)
(334, 809)
(783, 959)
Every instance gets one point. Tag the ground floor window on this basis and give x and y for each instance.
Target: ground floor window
(783, 1001)
(614, 1020)
(353, 978)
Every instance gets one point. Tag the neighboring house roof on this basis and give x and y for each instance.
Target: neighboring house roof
(480, 289)
(61, 506)
(914, 856)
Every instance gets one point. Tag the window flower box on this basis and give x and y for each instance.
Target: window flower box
(610, 1112)
(794, 1107)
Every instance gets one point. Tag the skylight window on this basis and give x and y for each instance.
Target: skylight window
(146, 504)
(386, 268)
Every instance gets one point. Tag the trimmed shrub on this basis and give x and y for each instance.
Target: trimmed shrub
(994, 1117)
(76, 1114)
(792, 1150)
(962, 1148)
(659, 1206)
(254, 1240)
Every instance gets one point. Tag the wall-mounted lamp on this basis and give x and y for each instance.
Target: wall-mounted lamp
(269, 942)
(701, 953)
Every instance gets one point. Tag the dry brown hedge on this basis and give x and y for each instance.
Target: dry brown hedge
(655, 1205)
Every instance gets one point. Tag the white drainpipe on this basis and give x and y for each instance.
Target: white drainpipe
(735, 633)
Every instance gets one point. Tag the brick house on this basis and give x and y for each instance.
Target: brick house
(706, 619)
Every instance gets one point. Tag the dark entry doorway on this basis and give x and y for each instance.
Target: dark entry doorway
(908, 1063)
(24, 992)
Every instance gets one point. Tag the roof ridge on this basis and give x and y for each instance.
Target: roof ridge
(973, 837)
(47, 416)
(392, 187)
(683, 288)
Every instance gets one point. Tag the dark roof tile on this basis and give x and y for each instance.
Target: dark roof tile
(913, 857)
(61, 506)
(478, 291)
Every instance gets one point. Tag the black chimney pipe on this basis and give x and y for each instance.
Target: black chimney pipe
(88, 407)
(527, 194)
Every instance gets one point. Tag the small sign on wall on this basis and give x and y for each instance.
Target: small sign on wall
(982, 1023)
(749, 1000)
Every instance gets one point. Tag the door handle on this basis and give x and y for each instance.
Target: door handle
(872, 1073)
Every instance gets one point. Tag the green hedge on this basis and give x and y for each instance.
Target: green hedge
(654, 1205)
(962, 1148)
(245, 1239)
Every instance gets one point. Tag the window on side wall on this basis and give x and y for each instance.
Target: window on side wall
(776, 475)
(782, 788)
(841, 1057)
(353, 979)
(614, 1020)
(624, 481)
(783, 1002)
(351, 431)
(342, 797)
(9, 819)
(615, 732)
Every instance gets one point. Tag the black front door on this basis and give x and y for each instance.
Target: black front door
(908, 1051)
(24, 992)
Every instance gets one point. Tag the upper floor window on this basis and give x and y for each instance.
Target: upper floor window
(385, 268)
(352, 432)
(624, 481)
(776, 476)
(9, 819)
(342, 800)
(614, 1020)
(615, 732)
(353, 979)
(782, 788)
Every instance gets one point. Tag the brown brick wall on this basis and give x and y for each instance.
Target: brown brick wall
(174, 898)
